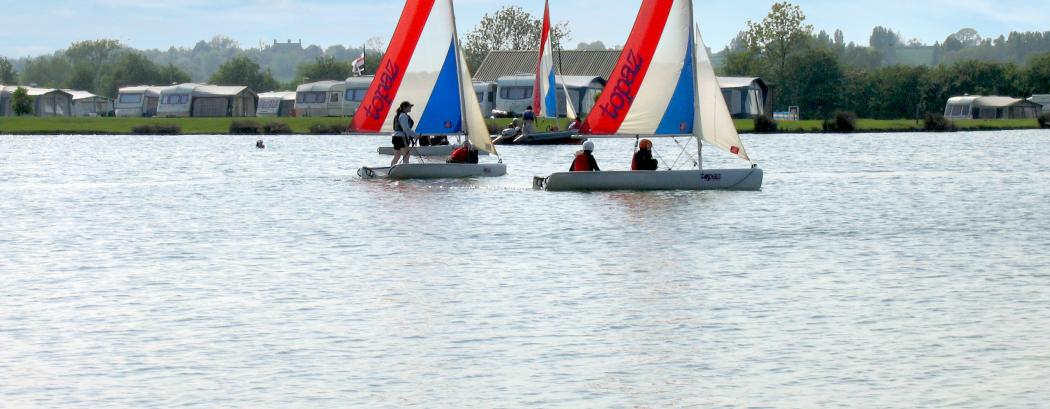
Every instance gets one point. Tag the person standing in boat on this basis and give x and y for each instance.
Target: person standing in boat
(528, 120)
(404, 133)
(584, 161)
(643, 159)
(575, 125)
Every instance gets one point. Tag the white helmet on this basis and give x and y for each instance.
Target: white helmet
(588, 146)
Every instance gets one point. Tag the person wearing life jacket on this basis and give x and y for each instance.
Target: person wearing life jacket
(403, 133)
(528, 120)
(464, 154)
(643, 159)
(584, 161)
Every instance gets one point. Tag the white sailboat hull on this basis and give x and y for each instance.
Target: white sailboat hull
(708, 179)
(434, 171)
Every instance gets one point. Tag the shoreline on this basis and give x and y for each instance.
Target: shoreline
(50, 126)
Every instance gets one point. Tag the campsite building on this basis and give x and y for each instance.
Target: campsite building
(88, 104)
(990, 107)
(324, 98)
(486, 93)
(356, 88)
(46, 101)
(515, 93)
(1043, 100)
(274, 104)
(137, 101)
(215, 101)
(746, 97)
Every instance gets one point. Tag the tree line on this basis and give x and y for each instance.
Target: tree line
(821, 74)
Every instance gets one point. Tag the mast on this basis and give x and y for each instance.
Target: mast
(459, 72)
(697, 117)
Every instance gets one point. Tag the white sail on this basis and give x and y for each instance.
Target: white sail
(477, 129)
(716, 124)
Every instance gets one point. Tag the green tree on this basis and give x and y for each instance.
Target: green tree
(135, 69)
(242, 70)
(47, 71)
(509, 28)
(1037, 74)
(21, 102)
(781, 33)
(94, 54)
(324, 69)
(7, 72)
(813, 81)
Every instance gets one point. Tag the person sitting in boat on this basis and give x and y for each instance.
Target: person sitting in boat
(528, 120)
(575, 125)
(464, 154)
(512, 128)
(584, 161)
(643, 159)
(403, 133)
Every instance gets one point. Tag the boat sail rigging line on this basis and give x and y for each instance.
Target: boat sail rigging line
(664, 85)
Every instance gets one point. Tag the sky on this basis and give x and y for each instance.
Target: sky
(34, 28)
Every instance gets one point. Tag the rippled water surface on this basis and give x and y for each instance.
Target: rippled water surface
(903, 270)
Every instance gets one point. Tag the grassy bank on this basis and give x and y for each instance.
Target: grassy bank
(198, 126)
(123, 126)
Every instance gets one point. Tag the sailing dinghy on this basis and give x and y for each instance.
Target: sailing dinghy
(545, 99)
(664, 85)
(424, 64)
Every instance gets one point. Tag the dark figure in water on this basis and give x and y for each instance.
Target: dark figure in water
(259, 144)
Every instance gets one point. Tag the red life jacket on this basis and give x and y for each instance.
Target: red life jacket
(581, 163)
(460, 154)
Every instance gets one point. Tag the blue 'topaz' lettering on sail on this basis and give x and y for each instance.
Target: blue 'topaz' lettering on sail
(443, 114)
(678, 119)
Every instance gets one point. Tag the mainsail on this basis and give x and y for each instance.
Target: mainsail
(682, 97)
(545, 99)
(424, 65)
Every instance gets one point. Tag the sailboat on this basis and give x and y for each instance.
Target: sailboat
(545, 95)
(424, 65)
(664, 85)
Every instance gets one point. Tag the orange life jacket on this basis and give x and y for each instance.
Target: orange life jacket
(460, 154)
(581, 163)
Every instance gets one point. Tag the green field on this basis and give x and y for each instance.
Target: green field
(198, 126)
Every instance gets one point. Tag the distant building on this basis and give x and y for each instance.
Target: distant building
(88, 104)
(746, 97)
(515, 93)
(273, 104)
(1043, 100)
(990, 107)
(289, 46)
(137, 101)
(46, 101)
(356, 88)
(324, 98)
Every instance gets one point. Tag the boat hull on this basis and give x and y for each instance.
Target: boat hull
(434, 171)
(548, 138)
(440, 150)
(710, 179)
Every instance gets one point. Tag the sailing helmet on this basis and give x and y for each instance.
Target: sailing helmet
(588, 146)
(645, 144)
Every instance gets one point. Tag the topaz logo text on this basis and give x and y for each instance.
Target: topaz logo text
(712, 176)
(624, 91)
(383, 97)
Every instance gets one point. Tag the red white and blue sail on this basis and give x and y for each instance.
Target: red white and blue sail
(545, 99)
(665, 84)
(420, 66)
(652, 90)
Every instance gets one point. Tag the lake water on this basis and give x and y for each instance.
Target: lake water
(898, 270)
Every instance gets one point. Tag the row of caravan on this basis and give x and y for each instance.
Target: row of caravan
(186, 100)
(508, 96)
(57, 102)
